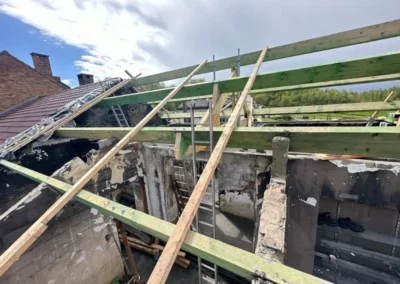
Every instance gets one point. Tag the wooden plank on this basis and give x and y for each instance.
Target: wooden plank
(164, 264)
(359, 255)
(370, 79)
(61, 202)
(250, 113)
(377, 65)
(235, 260)
(347, 38)
(388, 99)
(333, 108)
(361, 141)
(327, 157)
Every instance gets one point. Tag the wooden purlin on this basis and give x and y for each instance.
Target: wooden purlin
(347, 38)
(233, 259)
(16, 250)
(377, 65)
(164, 264)
(332, 108)
(340, 140)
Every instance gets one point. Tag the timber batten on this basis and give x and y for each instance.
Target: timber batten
(385, 64)
(334, 108)
(362, 141)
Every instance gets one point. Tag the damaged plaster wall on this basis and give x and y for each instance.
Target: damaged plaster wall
(236, 180)
(77, 247)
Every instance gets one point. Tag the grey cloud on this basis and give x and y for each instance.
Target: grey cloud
(203, 28)
(154, 19)
(47, 4)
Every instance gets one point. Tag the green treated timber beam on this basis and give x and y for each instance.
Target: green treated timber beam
(353, 107)
(386, 64)
(362, 80)
(342, 39)
(233, 259)
(362, 141)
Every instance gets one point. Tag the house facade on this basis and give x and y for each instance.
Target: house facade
(20, 82)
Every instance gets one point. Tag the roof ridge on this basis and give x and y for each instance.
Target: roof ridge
(5, 52)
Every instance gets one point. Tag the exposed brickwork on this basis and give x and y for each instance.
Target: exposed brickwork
(19, 82)
(85, 79)
(42, 64)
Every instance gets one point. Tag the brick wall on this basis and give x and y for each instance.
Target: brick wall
(19, 82)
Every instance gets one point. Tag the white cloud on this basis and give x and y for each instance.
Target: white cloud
(109, 31)
(67, 82)
(159, 35)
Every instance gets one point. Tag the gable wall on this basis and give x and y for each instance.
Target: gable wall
(18, 83)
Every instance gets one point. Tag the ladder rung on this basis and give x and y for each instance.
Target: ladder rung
(205, 208)
(184, 190)
(206, 224)
(208, 280)
(207, 266)
(202, 142)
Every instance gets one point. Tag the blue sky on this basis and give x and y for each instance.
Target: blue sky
(21, 39)
(107, 37)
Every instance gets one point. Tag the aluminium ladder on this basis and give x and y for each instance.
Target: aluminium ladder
(195, 175)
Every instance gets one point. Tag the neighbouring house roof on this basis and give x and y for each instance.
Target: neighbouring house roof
(23, 116)
(52, 79)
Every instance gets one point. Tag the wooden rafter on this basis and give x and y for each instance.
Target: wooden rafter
(333, 108)
(164, 264)
(16, 250)
(369, 79)
(362, 141)
(388, 99)
(352, 37)
(378, 65)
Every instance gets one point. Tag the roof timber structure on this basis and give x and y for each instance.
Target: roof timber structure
(387, 64)
(334, 108)
(366, 141)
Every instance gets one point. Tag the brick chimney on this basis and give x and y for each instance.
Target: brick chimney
(85, 79)
(41, 63)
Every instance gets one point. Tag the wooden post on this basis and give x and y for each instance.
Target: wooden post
(18, 248)
(135, 272)
(164, 264)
